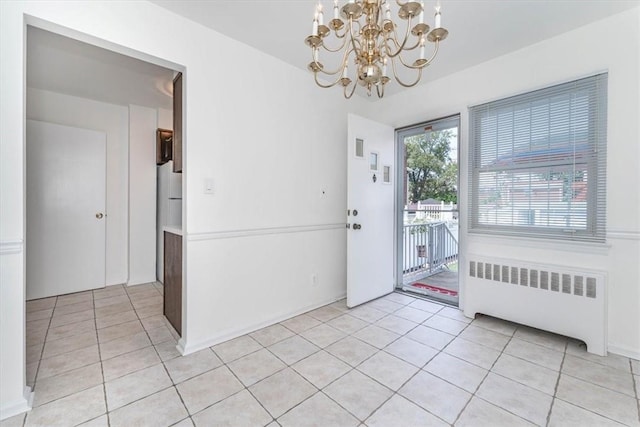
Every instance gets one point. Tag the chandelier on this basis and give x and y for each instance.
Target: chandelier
(366, 37)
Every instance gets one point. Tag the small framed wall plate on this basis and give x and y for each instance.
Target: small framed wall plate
(373, 161)
(359, 148)
(164, 146)
(386, 174)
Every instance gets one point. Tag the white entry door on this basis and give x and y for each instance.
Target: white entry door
(66, 224)
(370, 202)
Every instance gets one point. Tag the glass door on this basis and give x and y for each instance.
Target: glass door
(427, 209)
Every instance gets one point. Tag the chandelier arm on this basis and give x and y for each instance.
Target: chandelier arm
(380, 92)
(435, 52)
(341, 67)
(386, 46)
(344, 43)
(315, 77)
(353, 42)
(424, 64)
(395, 75)
(340, 36)
(413, 67)
(404, 42)
(353, 89)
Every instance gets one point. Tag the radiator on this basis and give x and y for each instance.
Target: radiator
(563, 300)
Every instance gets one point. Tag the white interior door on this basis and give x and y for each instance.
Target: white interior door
(371, 210)
(66, 224)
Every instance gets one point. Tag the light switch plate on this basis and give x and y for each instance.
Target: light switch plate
(208, 186)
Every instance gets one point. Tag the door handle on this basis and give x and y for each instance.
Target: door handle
(99, 215)
(357, 226)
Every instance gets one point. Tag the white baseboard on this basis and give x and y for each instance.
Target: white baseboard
(186, 348)
(180, 347)
(633, 353)
(18, 406)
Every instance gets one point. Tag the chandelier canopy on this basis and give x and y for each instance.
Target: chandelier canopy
(367, 39)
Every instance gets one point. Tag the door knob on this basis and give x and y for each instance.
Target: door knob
(99, 215)
(357, 226)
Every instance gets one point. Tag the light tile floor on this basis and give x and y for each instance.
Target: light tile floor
(108, 358)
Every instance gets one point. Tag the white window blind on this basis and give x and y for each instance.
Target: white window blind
(538, 163)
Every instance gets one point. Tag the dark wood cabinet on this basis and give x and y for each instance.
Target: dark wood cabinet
(173, 280)
(164, 146)
(177, 123)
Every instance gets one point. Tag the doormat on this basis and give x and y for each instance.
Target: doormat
(435, 289)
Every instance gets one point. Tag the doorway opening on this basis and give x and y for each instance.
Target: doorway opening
(427, 235)
(92, 116)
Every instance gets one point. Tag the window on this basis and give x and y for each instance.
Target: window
(537, 163)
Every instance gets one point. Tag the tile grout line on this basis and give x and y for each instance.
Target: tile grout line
(352, 368)
(99, 357)
(137, 400)
(44, 342)
(322, 322)
(318, 390)
(62, 373)
(395, 392)
(490, 370)
(555, 389)
(243, 384)
(635, 387)
(162, 362)
(65, 372)
(104, 382)
(35, 377)
(378, 350)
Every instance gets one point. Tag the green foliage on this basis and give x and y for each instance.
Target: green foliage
(430, 171)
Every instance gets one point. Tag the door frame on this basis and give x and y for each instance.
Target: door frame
(400, 197)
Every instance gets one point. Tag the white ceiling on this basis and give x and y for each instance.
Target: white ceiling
(60, 64)
(478, 29)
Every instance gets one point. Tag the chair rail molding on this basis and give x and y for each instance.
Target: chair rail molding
(214, 235)
(622, 233)
(8, 247)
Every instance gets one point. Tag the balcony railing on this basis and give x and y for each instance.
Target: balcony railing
(428, 248)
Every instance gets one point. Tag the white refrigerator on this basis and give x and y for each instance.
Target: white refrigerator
(169, 209)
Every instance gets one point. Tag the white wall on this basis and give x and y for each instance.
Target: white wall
(143, 122)
(572, 55)
(270, 140)
(114, 121)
